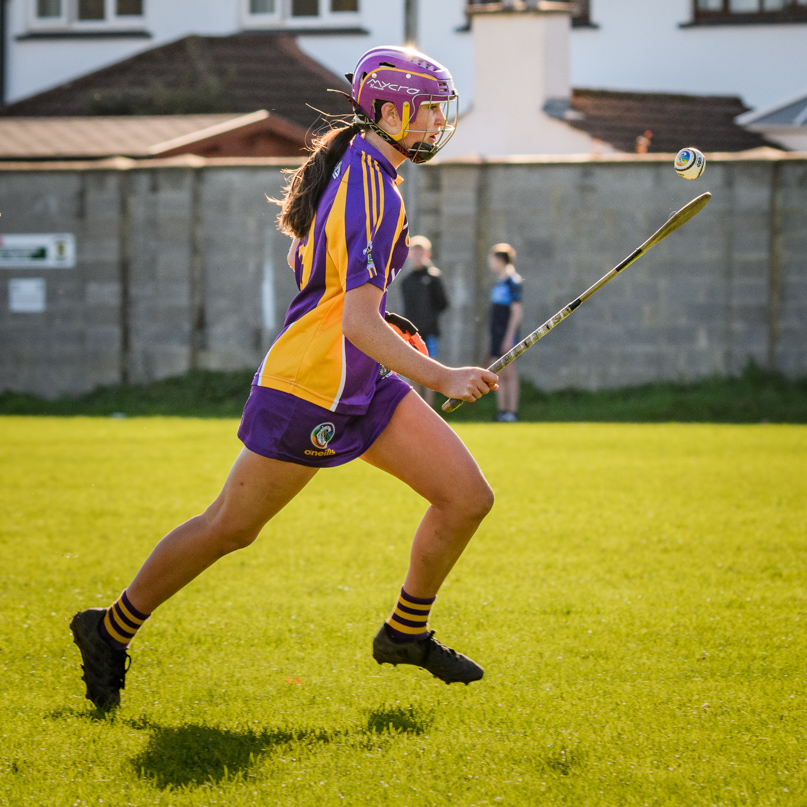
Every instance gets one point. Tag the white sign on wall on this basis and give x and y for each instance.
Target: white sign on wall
(38, 251)
(26, 295)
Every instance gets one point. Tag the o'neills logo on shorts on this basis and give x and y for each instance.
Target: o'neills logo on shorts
(320, 437)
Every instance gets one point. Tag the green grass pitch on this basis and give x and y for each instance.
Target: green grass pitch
(637, 597)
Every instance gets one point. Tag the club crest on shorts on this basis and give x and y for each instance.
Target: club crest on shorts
(322, 435)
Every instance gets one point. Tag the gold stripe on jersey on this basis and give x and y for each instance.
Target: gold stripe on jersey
(380, 187)
(381, 208)
(368, 213)
(372, 165)
(312, 348)
(373, 204)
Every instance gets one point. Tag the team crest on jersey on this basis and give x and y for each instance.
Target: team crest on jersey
(368, 253)
(383, 372)
(322, 435)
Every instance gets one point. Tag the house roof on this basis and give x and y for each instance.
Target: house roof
(200, 74)
(792, 113)
(138, 136)
(249, 71)
(706, 122)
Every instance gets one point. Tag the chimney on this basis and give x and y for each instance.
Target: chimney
(521, 89)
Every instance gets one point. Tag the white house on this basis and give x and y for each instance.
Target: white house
(754, 49)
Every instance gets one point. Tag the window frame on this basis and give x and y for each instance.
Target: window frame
(796, 12)
(582, 19)
(68, 19)
(282, 17)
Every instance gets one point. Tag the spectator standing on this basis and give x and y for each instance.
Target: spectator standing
(424, 298)
(505, 316)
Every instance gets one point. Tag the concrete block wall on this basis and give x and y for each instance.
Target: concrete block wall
(171, 261)
(727, 288)
(179, 265)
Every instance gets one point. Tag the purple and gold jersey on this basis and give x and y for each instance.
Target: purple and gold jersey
(359, 235)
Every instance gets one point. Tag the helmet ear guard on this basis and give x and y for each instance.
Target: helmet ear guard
(405, 120)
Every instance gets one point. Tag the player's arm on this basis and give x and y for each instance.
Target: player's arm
(364, 326)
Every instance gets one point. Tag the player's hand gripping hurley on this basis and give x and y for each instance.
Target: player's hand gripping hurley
(673, 223)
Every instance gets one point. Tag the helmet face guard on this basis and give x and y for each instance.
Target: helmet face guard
(409, 80)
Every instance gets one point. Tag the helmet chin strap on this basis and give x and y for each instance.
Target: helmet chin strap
(421, 148)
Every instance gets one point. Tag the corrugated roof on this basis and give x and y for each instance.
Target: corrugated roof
(239, 73)
(126, 136)
(130, 136)
(706, 122)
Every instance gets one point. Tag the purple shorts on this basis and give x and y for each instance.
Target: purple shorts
(283, 427)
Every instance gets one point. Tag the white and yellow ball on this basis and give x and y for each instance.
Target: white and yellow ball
(689, 163)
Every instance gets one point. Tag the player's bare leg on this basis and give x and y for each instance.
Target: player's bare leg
(419, 448)
(256, 489)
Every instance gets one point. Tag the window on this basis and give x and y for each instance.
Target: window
(716, 11)
(45, 9)
(581, 9)
(129, 8)
(300, 13)
(79, 14)
(304, 8)
(91, 10)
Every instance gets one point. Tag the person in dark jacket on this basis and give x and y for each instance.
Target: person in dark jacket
(424, 298)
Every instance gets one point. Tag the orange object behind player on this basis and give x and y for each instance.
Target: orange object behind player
(407, 331)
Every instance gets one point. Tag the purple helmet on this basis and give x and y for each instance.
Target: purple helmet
(407, 79)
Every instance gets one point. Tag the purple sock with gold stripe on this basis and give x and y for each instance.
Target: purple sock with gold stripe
(410, 619)
(121, 623)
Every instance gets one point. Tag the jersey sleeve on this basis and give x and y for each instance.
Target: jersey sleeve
(375, 229)
(515, 290)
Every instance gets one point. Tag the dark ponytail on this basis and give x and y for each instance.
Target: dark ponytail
(307, 183)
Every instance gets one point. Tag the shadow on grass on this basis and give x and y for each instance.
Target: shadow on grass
(194, 755)
(398, 720)
(82, 713)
